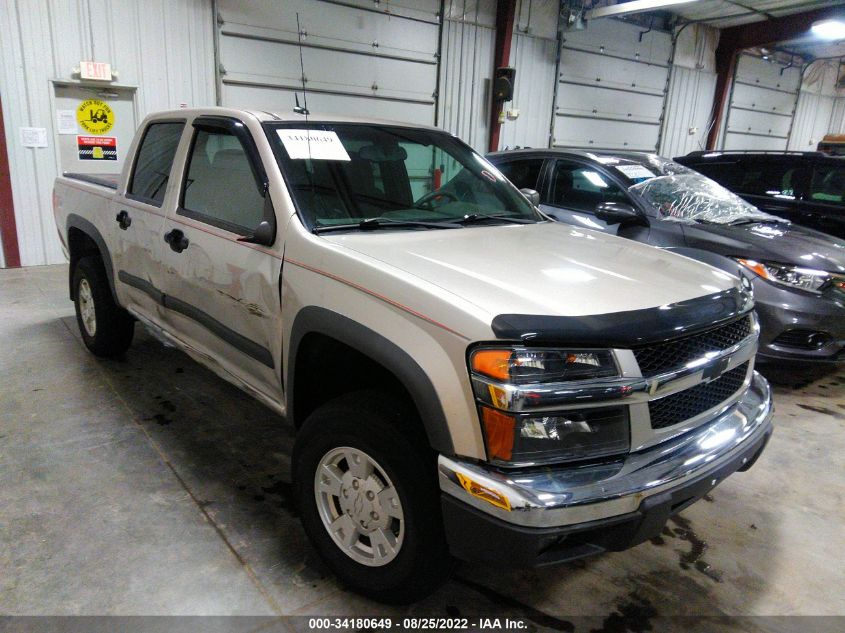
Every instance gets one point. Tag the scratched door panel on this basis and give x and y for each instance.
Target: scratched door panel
(223, 300)
(221, 295)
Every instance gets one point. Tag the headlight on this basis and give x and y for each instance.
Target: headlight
(568, 435)
(521, 365)
(794, 276)
(505, 378)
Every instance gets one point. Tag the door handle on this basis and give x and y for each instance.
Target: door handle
(123, 220)
(177, 240)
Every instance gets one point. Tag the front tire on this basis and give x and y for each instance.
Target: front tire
(366, 487)
(106, 328)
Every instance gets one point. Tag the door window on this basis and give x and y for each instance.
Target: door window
(828, 184)
(772, 179)
(582, 188)
(220, 188)
(155, 158)
(729, 175)
(524, 174)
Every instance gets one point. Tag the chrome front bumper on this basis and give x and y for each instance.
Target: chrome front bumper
(562, 496)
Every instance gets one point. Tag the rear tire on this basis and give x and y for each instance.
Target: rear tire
(360, 467)
(106, 328)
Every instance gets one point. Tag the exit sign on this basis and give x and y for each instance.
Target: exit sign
(95, 70)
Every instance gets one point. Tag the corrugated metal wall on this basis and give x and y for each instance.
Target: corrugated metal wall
(814, 114)
(534, 53)
(466, 70)
(688, 106)
(46, 39)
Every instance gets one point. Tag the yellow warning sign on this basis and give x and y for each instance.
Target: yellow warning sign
(95, 116)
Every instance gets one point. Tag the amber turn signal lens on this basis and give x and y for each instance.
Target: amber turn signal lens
(757, 267)
(492, 362)
(484, 492)
(499, 431)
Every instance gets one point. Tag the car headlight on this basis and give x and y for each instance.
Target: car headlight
(526, 365)
(794, 276)
(503, 377)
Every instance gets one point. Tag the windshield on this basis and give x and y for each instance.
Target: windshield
(360, 176)
(679, 194)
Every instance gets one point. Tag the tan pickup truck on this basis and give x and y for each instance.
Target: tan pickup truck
(464, 376)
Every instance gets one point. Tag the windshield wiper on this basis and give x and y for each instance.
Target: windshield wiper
(475, 218)
(372, 224)
(756, 221)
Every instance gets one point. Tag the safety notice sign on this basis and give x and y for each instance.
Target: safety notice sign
(95, 116)
(97, 147)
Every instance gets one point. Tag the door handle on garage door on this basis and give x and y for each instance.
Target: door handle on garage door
(177, 240)
(123, 219)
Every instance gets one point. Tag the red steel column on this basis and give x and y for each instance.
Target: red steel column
(505, 15)
(8, 228)
(726, 56)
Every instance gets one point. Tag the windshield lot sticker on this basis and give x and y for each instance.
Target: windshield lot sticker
(97, 147)
(95, 116)
(314, 144)
(636, 172)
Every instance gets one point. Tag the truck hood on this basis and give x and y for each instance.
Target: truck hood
(542, 269)
(782, 243)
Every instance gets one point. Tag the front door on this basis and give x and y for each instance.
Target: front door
(222, 295)
(575, 190)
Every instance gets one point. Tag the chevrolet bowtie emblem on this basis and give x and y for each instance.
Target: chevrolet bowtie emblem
(714, 370)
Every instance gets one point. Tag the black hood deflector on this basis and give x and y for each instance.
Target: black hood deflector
(627, 329)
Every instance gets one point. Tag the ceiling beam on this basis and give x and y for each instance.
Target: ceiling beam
(634, 6)
(777, 30)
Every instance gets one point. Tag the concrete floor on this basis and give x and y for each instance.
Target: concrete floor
(150, 486)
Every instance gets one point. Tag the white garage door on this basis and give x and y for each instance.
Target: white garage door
(762, 104)
(361, 58)
(612, 86)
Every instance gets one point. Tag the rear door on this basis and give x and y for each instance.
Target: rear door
(138, 214)
(574, 190)
(823, 206)
(223, 294)
(524, 173)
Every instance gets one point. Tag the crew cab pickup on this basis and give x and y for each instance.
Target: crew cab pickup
(464, 376)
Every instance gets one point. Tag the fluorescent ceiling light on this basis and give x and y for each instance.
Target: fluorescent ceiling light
(634, 6)
(829, 29)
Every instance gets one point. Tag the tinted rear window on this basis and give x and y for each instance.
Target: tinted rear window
(155, 158)
(523, 173)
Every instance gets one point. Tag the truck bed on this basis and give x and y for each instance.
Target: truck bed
(104, 180)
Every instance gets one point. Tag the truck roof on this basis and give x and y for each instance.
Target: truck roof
(283, 116)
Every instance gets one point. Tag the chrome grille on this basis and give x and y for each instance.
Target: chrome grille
(687, 404)
(656, 359)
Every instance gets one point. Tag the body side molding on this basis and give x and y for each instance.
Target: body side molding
(236, 340)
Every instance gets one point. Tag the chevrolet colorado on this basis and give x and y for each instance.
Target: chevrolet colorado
(464, 376)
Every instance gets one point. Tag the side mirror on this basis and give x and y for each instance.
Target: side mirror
(532, 195)
(618, 213)
(265, 233)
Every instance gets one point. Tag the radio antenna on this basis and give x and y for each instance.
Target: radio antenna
(301, 109)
